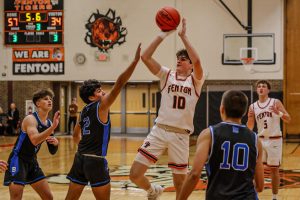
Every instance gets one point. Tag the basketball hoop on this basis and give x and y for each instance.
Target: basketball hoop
(247, 61)
(247, 57)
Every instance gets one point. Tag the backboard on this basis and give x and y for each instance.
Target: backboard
(235, 44)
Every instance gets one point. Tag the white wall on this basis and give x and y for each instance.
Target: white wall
(207, 21)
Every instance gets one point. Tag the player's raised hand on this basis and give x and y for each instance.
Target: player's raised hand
(274, 109)
(182, 31)
(137, 53)
(56, 118)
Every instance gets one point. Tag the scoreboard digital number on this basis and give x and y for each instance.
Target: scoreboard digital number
(37, 22)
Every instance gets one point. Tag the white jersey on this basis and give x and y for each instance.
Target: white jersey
(268, 123)
(178, 99)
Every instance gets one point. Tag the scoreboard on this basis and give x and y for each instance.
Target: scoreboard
(33, 22)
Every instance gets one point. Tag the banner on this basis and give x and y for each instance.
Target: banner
(46, 61)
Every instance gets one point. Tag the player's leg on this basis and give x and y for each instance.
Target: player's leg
(275, 179)
(178, 151)
(274, 151)
(102, 192)
(16, 191)
(137, 174)
(151, 149)
(74, 191)
(43, 189)
(77, 178)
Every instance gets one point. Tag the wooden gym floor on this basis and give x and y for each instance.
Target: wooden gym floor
(122, 151)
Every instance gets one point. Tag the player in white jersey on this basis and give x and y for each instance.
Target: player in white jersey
(267, 112)
(180, 92)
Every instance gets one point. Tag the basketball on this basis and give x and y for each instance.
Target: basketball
(167, 18)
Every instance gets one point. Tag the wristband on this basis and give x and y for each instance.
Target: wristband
(280, 114)
(163, 35)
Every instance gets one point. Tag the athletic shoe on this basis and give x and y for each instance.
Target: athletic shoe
(158, 190)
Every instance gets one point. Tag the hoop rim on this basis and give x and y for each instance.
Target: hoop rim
(247, 60)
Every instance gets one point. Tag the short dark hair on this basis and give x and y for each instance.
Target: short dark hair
(263, 82)
(183, 53)
(235, 103)
(41, 93)
(87, 89)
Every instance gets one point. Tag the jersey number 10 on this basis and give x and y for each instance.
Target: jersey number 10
(238, 148)
(178, 102)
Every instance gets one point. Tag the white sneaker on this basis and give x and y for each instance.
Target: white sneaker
(158, 190)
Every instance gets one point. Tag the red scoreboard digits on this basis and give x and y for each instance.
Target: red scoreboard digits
(33, 22)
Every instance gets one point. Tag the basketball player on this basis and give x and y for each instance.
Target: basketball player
(267, 113)
(180, 92)
(23, 165)
(232, 153)
(92, 134)
(3, 166)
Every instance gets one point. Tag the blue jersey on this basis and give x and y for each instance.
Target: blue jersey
(232, 161)
(23, 147)
(95, 135)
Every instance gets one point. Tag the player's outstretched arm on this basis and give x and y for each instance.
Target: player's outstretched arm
(259, 169)
(198, 71)
(121, 81)
(201, 156)
(29, 126)
(251, 118)
(147, 58)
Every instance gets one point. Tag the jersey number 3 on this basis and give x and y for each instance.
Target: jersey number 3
(236, 164)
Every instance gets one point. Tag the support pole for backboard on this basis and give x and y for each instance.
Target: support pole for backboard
(249, 25)
(236, 18)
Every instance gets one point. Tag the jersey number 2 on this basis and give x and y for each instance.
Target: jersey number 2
(86, 124)
(237, 149)
(178, 102)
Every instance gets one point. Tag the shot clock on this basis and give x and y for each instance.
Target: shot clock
(33, 22)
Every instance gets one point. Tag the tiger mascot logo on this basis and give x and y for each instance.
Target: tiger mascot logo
(104, 31)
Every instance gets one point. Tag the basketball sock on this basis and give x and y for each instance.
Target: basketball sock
(274, 197)
(151, 189)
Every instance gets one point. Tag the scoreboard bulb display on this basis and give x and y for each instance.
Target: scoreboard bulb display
(26, 26)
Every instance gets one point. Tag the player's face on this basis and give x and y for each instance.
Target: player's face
(183, 64)
(45, 103)
(262, 89)
(99, 93)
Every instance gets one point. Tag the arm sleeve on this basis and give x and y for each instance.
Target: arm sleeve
(52, 148)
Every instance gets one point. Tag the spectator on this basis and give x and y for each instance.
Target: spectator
(73, 108)
(13, 119)
(2, 121)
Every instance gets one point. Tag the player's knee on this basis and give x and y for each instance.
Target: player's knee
(133, 176)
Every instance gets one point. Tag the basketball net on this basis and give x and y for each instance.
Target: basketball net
(246, 60)
(248, 63)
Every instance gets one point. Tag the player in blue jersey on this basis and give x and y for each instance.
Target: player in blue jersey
(232, 153)
(92, 134)
(23, 167)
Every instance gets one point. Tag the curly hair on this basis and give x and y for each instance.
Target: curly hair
(87, 89)
(41, 93)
